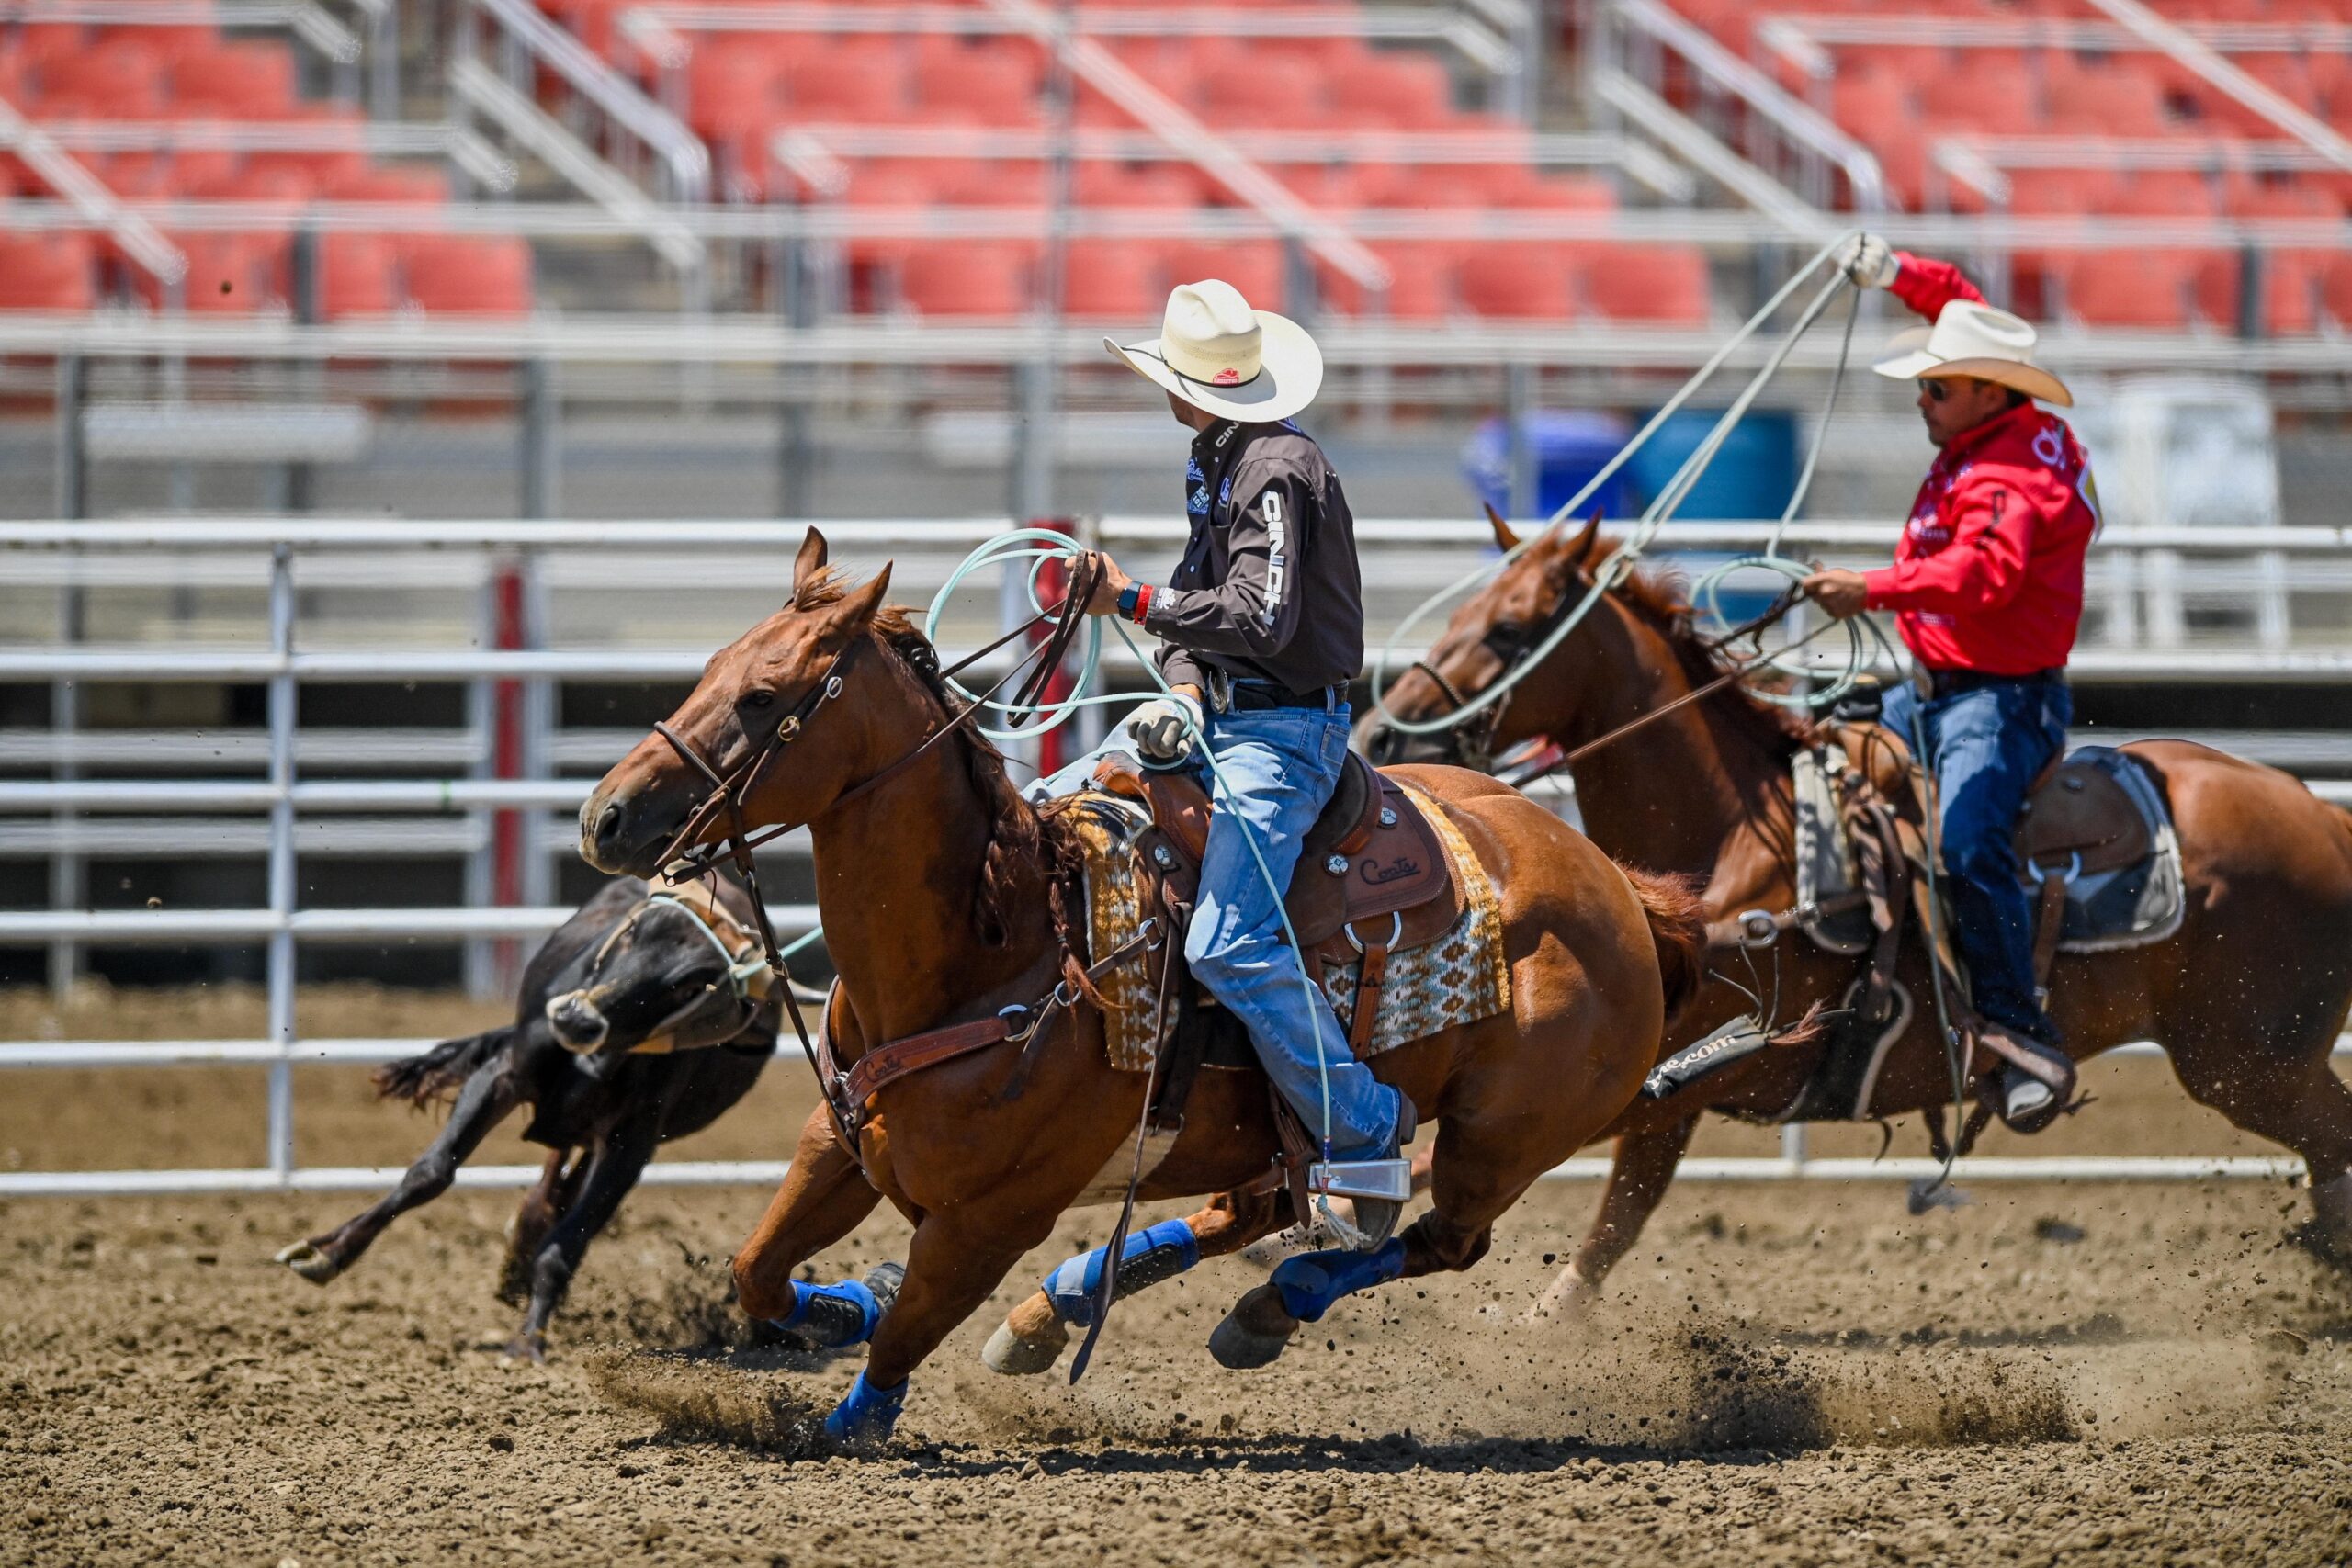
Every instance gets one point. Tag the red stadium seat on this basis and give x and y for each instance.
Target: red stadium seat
(1648, 283)
(1420, 287)
(2061, 192)
(2163, 193)
(1411, 92)
(1111, 279)
(2113, 101)
(2336, 288)
(2291, 290)
(230, 275)
(730, 93)
(119, 79)
(1520, 185)
(1253, 266)
(2147, 289)
(249, 80)
(1102, 183)
(860, 82)
(465, 274)
(1518, 282)
(992, 86)
(48, 272)
(966, 279)
(1985, 95)
(1271, 90)
(406, 183)
(355, 275)
(991, 182)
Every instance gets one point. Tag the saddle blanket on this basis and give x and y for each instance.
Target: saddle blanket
(2129, 906)
(1459, 979)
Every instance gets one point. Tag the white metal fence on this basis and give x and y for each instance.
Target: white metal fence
(666, 569)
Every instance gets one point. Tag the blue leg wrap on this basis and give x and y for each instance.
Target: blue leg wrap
(833, 1316)
(1160, 1252)
(1310, 1282)
(865, 1413)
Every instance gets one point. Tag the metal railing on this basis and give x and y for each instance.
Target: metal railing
(1782, 136)
(1399, 560)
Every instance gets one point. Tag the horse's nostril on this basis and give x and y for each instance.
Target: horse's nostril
(608, 825)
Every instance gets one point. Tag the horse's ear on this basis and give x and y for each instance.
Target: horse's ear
(1505, 540)
(1580, 548)
(854, 612)
(809, 562)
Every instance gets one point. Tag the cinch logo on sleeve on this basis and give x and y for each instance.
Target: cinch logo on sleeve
(1277, 561)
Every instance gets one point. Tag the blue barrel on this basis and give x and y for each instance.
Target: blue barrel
(1570, 446)
(1751, 476)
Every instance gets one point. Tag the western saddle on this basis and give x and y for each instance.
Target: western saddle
(1372, 879)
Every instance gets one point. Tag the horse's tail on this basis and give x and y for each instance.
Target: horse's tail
(439, 1071)
(1678, 920)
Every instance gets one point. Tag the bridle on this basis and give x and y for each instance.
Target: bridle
(730, 790)
(1474, 742)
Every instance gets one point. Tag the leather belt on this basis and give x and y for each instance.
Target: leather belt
(1262, 696)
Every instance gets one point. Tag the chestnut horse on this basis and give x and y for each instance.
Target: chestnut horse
(938, 888)
(2247, 997)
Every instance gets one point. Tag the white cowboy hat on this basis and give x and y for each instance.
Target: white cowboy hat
(1218, 355)
(1968, 339)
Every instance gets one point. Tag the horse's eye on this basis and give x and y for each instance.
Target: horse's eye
(761, 698)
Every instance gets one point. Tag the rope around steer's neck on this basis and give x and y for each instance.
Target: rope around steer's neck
(1622, 562)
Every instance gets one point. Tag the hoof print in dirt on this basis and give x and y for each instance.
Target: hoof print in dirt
(308, 1261)
(1255, 1332)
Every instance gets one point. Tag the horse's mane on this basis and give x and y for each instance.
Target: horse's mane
(1023, 841)
(1655, 594)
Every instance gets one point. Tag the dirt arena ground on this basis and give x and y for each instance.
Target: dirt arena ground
(2083, 1373)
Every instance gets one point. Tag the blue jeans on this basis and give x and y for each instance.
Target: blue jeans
(1279, 767)
(1985, 748)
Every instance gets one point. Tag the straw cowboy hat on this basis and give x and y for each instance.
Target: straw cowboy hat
(1218, 355)
(1968, 339)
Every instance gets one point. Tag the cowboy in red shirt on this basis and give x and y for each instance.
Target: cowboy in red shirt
(1988, 591)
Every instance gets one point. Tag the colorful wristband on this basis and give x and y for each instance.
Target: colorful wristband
(1143, 603)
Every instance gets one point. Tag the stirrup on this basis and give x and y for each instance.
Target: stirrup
(1384, 1180)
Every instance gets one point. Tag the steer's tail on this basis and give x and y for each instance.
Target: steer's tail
(1677, 927)
(439, 1071)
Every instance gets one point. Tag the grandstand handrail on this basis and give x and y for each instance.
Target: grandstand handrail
(521, 118)
(1708, 153)
(304, 18)
(1099, 144)
(379, 138)
(1797, 36)
(656, 29)
(771, 222)
(1209, 150)
(619, 99)
(1791, 114)
(90, 199)
(760, 339)
(2312, 132)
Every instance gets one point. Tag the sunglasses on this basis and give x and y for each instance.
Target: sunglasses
(1937, 392)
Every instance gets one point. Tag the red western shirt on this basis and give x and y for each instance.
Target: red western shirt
(1989, 573)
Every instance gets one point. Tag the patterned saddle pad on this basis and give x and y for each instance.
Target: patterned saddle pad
(1459, 979)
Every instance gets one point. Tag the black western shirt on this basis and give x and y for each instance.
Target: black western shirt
(1268, 589)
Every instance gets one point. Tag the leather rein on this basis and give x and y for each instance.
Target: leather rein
(846, 1092)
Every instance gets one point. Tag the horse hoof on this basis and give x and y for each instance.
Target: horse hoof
(530, 1350)
(1255, 1332)
(308, 1261)
(1570, 1297)
(1030, 1339)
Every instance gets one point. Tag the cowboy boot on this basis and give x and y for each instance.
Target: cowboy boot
(1375, 1218)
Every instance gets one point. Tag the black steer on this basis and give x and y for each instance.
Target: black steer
(602, 1050)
